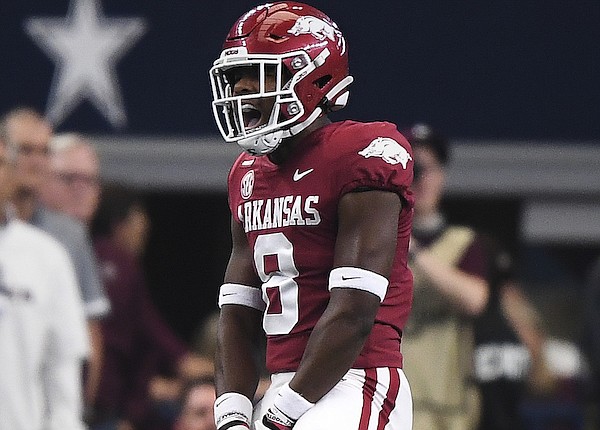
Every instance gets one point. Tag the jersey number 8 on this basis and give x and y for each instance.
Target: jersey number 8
(279, 289)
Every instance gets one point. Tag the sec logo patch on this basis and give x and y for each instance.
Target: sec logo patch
(247, 185)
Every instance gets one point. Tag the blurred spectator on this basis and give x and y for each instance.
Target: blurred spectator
(591, 311)
(139, 345)
(509, 358)
(591, 341)
(29, 134)
(205, 345)
(43, 338)
(205, 339)
(485, 344)
(449, 265)
(73, 186)
(197, 403)
(555, 400)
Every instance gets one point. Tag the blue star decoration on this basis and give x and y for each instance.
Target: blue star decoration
(85, 45)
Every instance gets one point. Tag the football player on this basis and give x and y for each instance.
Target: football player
(321, 220)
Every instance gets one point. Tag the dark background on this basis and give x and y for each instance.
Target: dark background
(504, 69)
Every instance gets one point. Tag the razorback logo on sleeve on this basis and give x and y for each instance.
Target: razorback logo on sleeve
(388, 149)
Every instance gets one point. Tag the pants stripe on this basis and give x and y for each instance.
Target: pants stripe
(390, 399)
(368, 392)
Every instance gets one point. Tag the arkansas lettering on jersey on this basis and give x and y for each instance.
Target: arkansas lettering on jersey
(279, 212)
(289, 214)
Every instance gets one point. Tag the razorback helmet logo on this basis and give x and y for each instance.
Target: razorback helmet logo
(319, 29)
(388, 149)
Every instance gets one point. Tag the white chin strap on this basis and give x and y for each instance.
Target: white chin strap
(262, 145)
(269, 142)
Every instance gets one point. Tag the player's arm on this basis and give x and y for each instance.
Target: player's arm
(466, 291)
(469, 292)
(368, 225)
(364, 254)
(236, 373)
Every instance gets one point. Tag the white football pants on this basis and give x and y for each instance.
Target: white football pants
(365, 399)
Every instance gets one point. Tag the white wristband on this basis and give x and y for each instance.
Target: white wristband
(232, 407)
(238, 294)
(291, 403)
(360, 279)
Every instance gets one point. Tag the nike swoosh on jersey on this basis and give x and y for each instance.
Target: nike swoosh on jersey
(299, 175)
(347, 278)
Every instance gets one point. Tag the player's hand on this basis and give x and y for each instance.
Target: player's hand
(274, 419)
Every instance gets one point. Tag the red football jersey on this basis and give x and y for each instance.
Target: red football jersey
(290, 215)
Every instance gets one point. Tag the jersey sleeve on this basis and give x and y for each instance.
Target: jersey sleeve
(376, 156)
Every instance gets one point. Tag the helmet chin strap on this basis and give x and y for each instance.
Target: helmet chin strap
(262, 145)
(269, 142)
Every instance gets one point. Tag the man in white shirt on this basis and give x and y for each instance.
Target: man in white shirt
(43, 337)
(29, 133)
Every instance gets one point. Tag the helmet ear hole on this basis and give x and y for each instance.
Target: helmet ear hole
(322, 81)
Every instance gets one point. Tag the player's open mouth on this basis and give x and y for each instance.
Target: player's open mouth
(251, 115)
